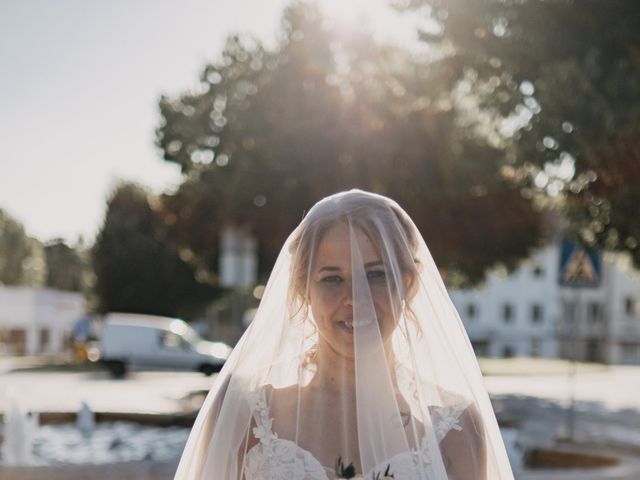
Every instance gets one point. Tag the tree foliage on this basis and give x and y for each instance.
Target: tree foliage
(21, 257)
(269, 132)
(67, 267)
(564, 76)
(135, 271)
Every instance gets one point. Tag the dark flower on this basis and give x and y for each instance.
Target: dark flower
(386, 474)
(345, 472)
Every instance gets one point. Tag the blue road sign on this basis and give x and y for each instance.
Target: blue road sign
(579, 267)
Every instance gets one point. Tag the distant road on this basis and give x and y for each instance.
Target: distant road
(615, 389)
(150, 392)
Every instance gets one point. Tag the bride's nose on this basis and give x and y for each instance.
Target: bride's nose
(348, 295)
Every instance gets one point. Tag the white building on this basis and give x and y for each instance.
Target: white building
(36, 321)
(515, 314)
(526, 313)
(623, 335)
(603, 324)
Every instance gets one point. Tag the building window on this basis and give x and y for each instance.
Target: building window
(538, 271)
(594, 312)
(44, 339)
(537, 313)
(508, 351)
(480, 347)
(630, 306)
(593, 350)
(569, 310)
(536, 347)
(17, 341)
(472, 311)
(507, 313)
(630, 353)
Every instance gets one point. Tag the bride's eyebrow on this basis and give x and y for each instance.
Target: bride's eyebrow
(329, 269)
(375, 263)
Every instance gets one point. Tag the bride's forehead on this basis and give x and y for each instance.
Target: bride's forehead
(335, 246)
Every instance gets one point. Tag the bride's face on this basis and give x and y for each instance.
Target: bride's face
(331, 289)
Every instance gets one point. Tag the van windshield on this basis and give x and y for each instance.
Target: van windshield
(187, 334)
(191, 336)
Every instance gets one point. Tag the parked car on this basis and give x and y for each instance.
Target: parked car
(133, 341)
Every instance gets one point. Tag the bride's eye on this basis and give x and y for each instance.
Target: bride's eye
(332, 279)
(376, 275)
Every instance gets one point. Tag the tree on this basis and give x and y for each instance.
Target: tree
(67, 269)
(21, 257)
(562, 77)
(135, 271)
(268, 133)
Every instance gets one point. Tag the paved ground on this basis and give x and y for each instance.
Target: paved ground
(151, 392)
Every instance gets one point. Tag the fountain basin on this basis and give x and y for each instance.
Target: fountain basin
(145, 470)
(583, 462)
(116, 438)
(548, 458)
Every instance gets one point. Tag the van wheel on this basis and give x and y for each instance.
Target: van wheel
(117, 368)
(208, 369)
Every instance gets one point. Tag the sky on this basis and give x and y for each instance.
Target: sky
(79, 86)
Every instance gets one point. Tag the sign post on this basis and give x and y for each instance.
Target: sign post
(238, 266)
(579, 268)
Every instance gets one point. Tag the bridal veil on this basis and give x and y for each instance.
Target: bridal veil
(356, 364)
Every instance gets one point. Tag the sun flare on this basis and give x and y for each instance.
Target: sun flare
(376, 16)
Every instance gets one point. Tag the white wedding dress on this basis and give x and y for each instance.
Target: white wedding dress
(276, 458)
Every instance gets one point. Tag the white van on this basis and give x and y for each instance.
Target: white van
(152, 342)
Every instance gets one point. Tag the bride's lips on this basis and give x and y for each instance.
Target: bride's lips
(345, 325)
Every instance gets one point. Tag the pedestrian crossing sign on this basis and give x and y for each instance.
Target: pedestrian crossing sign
(579, 267)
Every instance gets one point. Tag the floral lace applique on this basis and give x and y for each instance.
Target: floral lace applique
(258, 406)
(275, 458)
(448, 418)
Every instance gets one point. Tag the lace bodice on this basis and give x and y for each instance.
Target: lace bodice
(276, 458)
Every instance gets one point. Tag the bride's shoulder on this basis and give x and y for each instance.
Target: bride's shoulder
(272, 398)
(282, 400)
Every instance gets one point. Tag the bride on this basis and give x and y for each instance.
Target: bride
(356, 365)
